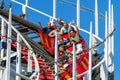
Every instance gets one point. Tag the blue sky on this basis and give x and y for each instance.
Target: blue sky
(68, 13)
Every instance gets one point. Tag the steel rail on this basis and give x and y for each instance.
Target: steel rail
(27, 44)
(23, 22)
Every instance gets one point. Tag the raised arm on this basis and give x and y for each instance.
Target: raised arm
(40, 25)
(77, 30)
(69, 32)
(52, 33)
(71, 23)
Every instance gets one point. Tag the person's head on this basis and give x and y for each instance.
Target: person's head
(70, 58)
(60, 63)
(49, 24)
(72, 33)
(61, 41)
(61, 48)
(62, 54)
(59, 37)
(65, 24)
(59, 20)
(77, 56)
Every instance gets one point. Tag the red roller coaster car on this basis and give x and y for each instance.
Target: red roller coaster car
(48, 43)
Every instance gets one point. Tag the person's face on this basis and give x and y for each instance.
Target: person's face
(61, 48)
(59, 20)
(49, 24)
(72, 33)
(59, 37)
(61, 54)
(65, 25)
(59, 64)
(77, 56)
(70, 59)
(61, 41)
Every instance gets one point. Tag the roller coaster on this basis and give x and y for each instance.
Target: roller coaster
(23, 58)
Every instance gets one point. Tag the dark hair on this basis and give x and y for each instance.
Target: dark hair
(72, 30)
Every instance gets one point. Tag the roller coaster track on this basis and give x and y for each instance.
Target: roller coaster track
(25, 27)
(41, 58)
